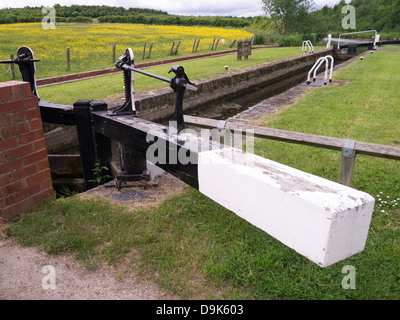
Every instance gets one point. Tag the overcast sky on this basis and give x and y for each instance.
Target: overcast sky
(245, 8)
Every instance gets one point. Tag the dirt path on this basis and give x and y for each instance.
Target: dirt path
(22, 278)
(22, 275)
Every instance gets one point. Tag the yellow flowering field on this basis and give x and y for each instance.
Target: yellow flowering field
(91, 45)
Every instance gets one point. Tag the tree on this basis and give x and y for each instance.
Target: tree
(287, 14)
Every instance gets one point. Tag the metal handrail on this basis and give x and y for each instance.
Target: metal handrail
(307, 44)
(318, 64)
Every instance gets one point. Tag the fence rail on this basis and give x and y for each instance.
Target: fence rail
(349, 148)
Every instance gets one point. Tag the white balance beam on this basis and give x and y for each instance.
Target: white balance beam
(322, 220)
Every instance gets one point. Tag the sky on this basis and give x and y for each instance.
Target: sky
(238, 8)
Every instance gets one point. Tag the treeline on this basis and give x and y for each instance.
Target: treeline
(179, 20)
(73, 13)
(81, 13)
(381, 15)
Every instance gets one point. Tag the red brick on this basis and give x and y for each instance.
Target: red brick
(30, 137)
(16, 92)
(34, 113)
(24, 172)
(19, 151)
(7, 201)
(13, 210)
(9, 166)
(8, 143)
(36, 124)
(15, 129)
(32, 103)
(46, 184)
(44, 195)
(43, 164)
(11, 188)
(12, 83)
(26, 192)
(6, 119)
(34, 157)
(39, 145)
(12, 106)
(5, 94)
(5, 179)
(21, 116)
(26, 90)
(38, 177)
(27, 115)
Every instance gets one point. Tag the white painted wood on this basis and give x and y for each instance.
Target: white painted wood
(320, 219)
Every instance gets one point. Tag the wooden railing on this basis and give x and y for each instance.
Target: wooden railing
(349, 148)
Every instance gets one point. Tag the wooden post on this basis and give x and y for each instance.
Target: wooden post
(177, 46)
(12, 69)
(151, 47)
(144, 51)
(216, 44)
(233, 43)
(68, 59)
(197, 45)
(212, 47)
(172, 48)
(347, 163)
(253, 38)
(113, 54)
(194, 45)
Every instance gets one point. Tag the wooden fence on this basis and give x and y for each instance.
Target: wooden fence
(349, 148)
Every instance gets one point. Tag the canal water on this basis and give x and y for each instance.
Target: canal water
(222, 110)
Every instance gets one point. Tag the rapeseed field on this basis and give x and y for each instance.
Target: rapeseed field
(91, 45)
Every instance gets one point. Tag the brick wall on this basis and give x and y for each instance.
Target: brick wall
(25, 178)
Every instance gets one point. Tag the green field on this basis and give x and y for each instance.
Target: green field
(91, 45)
(197, 249)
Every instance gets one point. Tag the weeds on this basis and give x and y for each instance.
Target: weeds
(100, 173)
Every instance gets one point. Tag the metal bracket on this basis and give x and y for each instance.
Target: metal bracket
(348, 149)
(221, 125)
(123, 177)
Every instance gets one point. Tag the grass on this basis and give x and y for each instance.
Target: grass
(197, 249)
(110, 86)
(391, 47)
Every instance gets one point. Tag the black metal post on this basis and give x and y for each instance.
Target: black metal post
(93, 146)
(26, 63)
(102, 143)
(179, 84)
(179, 93)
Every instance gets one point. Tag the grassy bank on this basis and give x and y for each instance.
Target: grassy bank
(196, 248)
